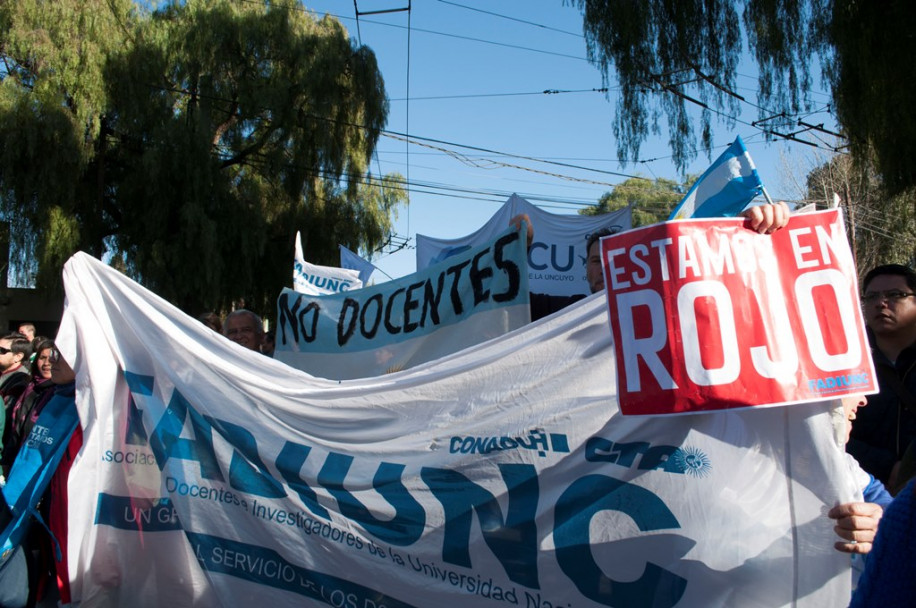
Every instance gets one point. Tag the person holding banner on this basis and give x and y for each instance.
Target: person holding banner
(764, 219)
(889, 578)
(857, 522)
(37, 486)
(886, 431)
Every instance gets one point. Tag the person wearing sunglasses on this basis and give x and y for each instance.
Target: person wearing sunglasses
(885, 432)
(14, 376)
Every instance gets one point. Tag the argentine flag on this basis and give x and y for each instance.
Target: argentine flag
(725, 189)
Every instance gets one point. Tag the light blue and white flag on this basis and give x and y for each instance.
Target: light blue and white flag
(725, 189)
(352, 261)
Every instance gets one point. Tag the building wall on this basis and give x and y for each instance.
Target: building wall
(19, 306)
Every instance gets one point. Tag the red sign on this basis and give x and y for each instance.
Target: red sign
(708, 315)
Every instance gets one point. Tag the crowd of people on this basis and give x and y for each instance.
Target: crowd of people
(881, 444)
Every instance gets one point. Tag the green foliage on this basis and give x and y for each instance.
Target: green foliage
(674, 59)
(190, 143)
(874, 84)
(880, 227)
(651, 200)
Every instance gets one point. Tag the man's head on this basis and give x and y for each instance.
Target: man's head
(851, 404)
(27, 330)
(245, 328)
(889, 299)
(14, 348)
(593, 271)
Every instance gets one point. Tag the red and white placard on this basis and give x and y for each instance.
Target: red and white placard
(708, 315)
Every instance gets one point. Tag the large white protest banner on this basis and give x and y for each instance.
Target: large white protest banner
(708, 315)
(556, 258)
(501, 476)
(478, 294)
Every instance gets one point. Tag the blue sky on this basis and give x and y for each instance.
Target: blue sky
(467, 79)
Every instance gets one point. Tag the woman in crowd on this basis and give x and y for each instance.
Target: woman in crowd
(56, 424)
(24, 412)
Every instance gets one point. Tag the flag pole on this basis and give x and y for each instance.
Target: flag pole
(766, 194)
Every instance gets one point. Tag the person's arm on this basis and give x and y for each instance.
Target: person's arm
(516, 222)
(856, 524)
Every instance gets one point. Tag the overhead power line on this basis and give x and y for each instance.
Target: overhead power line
(517, 20)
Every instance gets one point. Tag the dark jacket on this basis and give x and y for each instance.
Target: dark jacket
(543, 304)
(885, 427)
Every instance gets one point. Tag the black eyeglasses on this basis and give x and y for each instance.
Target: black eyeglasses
(54, 355)
(892, 295)
(5, 351)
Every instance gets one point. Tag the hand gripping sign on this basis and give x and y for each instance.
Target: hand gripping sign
(708, 315)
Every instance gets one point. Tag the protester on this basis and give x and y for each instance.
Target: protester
(245, 328)
(889, 578)
(14, 574)
(211, 320)
(25, 410)
(14, 377)
(27, 330)
(857, 522)
(64, 378)
(887, 428)
(37, 487)
(764, 219)
(267, 347)
(35, 342)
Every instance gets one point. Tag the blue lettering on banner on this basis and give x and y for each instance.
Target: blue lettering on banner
(581, 501)
(267, 567)
(326, 283)
(836, 384)
(536, 439)
(132, 513)
(647, 457)
(511, 536)
(554, 259)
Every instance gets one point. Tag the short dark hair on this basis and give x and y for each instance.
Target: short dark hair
(893, 270)
(19, 344)
(594, 237)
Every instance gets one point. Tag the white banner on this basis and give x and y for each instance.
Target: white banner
(500, 476)
(556, 258)
(476, 295)
(317, 280)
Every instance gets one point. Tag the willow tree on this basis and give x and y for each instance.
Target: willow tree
(677, 61)
(651, 200)
(188, 144)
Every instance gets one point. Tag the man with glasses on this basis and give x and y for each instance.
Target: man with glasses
(887, 427)
(245, 328)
